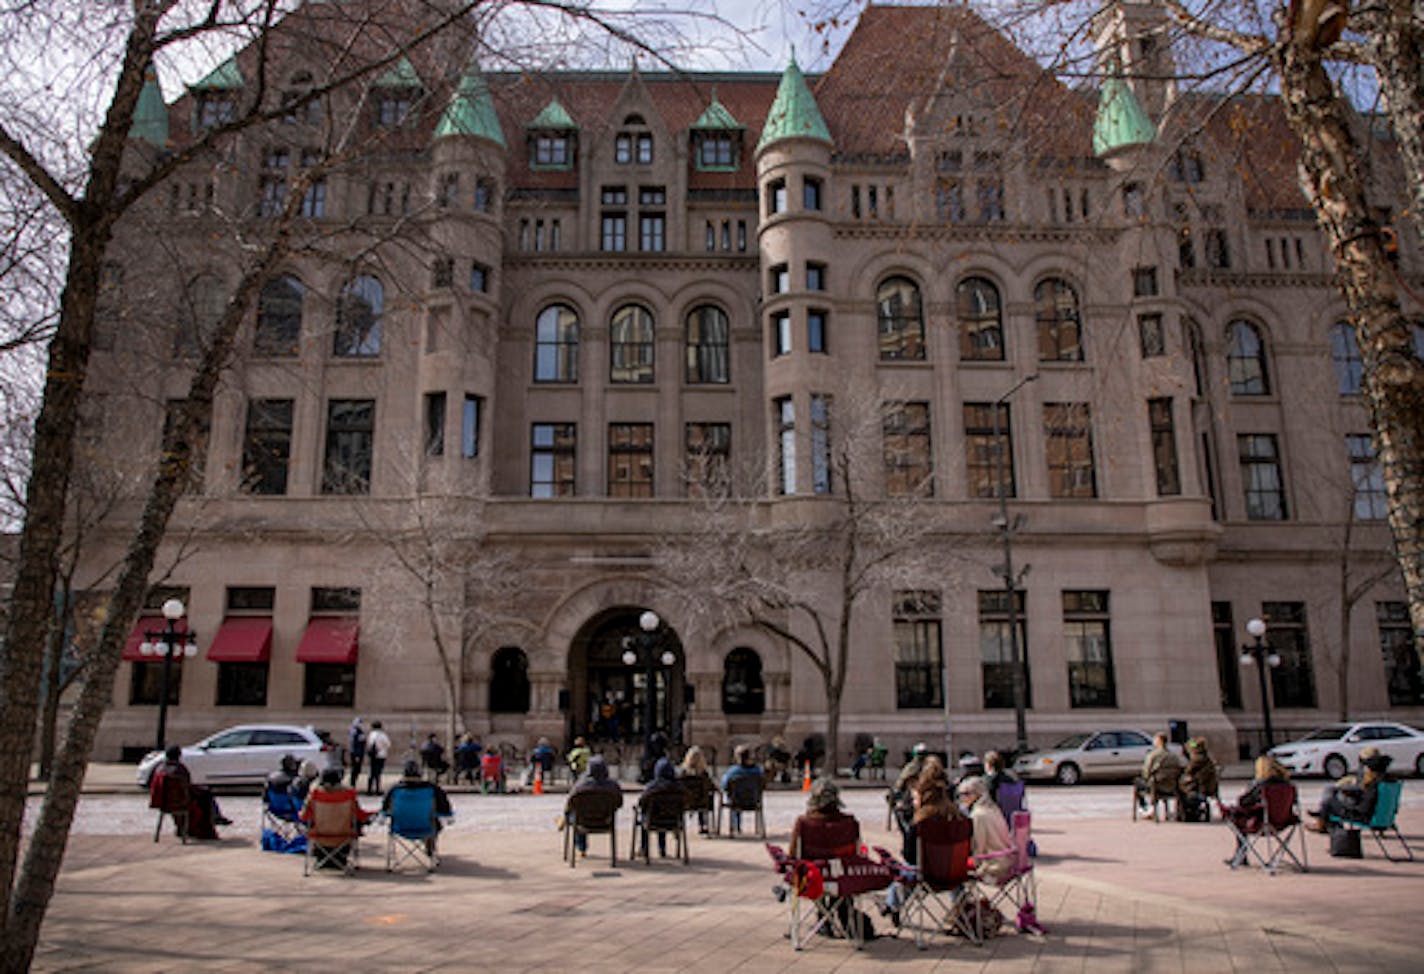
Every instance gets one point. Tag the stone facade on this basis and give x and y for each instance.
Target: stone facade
(1144, 284)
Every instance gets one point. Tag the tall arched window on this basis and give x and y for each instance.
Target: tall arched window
(279, 317)
(981, 330)
(509, 681)
(358, 319)
(556, 341)
(742, 689)
(1060, 330)
(708, 345)
(1246, 360)
(902, 320)
(630, 345)
(200, 308)
(1345, 353)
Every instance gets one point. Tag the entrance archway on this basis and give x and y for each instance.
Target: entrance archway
(608, 697)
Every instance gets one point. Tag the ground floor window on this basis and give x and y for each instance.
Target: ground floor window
(1401, 659)
(509, 681)
(330, 685)
(743, 691)
(996, 652)
(242, 684)
(919, 665)
(1293, 681)
(1228, 667)
(1091, 681)
(146, 687)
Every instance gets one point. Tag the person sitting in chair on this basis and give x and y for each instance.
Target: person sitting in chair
(1161, 768)
(1250, 808)
(467, 759)
(203, 811)
(577, 758)
(694, 765)
(744, 767)
(1199, 782)
(931, 797)
(595, 779)
(991, 832)
(997, 773)
(664, 779)
(778, 759)
(302, 783)
(1353, 797)
(412, 780)
(280, 781)
(330, 788)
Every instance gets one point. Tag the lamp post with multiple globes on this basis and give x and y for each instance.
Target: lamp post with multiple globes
(168, 643)
(642, 648)
(1258, 653)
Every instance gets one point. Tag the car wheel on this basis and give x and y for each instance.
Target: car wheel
(1335, 767)
(1068, 774)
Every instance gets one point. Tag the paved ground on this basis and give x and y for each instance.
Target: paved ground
(1114, 895)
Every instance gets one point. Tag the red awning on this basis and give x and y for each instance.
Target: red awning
(329, 639)
(242, 639)
(141, 629)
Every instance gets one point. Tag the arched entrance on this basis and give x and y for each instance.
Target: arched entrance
(608, 697)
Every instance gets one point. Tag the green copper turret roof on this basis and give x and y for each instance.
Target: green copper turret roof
(225, 77)
(1122, 122)
(471, 110)
(716, 117)
(553, 116)
(150, 118)
(401, 75)
(794, 113)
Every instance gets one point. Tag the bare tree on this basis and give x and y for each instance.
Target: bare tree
(805, 575)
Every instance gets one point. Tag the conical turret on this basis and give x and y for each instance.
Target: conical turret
(150, 118)
(1122, 122)
(471, 110)
(793, 114)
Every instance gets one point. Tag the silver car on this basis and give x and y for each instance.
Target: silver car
(1094, 754)
(247, 754)
(1335, 749)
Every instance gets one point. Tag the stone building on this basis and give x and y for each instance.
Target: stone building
(547, 309)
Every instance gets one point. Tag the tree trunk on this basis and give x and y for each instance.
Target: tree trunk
(53, 687)
(1347, 610)
(833, 725)
(1331, 174)
(1398, 41)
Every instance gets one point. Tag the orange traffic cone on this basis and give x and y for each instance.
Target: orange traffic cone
(539, 780)
(806, 777)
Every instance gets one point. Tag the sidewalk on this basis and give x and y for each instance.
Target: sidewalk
(1115, 896)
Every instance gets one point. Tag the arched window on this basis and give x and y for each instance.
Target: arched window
(358, 319)
(630, 345)
(200, 309)
(902, 320)
(556, 341)
(707, 345)
(1345, 353)
(509, 681)
(981, 330)
(742, 689)
(1060, 332)
(279, 317)
(1246, 360)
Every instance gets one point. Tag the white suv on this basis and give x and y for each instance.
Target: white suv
(246, 755)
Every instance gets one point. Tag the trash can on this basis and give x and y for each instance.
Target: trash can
(1177, 730)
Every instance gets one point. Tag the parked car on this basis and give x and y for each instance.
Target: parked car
(1334, 749)
(1095, 754)
(245, 755)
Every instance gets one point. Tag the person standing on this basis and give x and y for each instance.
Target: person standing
(356, 748)
(378, 748)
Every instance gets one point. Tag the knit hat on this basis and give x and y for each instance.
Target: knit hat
(824, 796)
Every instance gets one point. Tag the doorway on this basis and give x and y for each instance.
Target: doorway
(608, 697)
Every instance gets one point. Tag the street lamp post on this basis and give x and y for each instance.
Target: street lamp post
(168, 643)
(1258, 652)
(1011, 580)
(643, 648)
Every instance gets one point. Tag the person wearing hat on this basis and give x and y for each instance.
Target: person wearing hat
(823, 805)
(306, 777)
(1353, 797)
(596, 778)
(412, 780)
(1200, 782)
(991, 832)
(664, 779)
(912, 767)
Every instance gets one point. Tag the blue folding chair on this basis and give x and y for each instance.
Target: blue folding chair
(1382, 823)
(282, 827)
(412, 829)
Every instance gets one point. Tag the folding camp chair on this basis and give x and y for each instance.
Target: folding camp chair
(412, 829)
(282, 827)
(1382, 823)
(1163, 787)
(333, 833)
(825, 879)
(743, 795)
(589, 813)
(1267, 837)
(1018, 887)
(660, 813)
(942, 894)
(170, 795)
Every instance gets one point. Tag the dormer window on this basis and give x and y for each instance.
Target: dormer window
(552, 151)
(395, 106)
(716, 139)
(216, 108)
(633, 147)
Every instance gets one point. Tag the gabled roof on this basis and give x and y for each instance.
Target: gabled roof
(552, 116)
(471, 110)
(793, 114)
(402, 74)
(716, 117)
(225, 77)
(1122, 122)
(150, 119)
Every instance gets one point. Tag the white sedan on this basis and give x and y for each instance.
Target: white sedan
(1334, 750)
